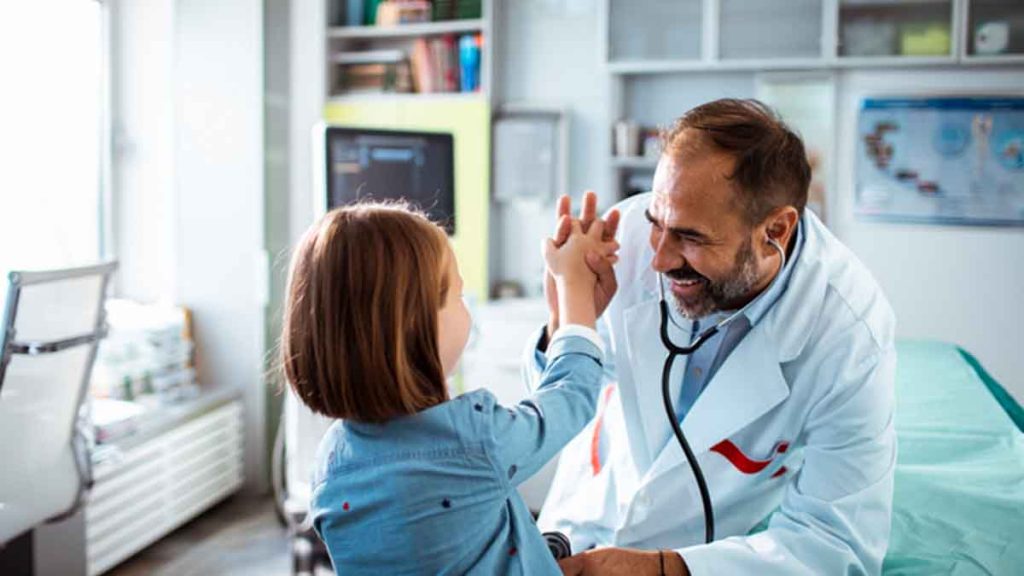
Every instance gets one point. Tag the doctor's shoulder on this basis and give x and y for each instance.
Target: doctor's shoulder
(851, 327)
(853, 288)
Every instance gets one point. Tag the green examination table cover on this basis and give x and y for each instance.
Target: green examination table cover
(958, 506)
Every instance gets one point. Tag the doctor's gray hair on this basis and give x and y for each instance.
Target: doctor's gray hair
(771, 167)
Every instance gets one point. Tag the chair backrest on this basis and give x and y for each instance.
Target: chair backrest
(52, 324)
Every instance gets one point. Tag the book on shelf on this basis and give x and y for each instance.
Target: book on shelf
(439, 64)
(397, 12)
(377, 78)
(372, 72)
(423, 67)
(457, 9)
(369, 57)
(443, 64)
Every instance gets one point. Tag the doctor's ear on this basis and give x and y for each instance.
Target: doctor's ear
(779, 226)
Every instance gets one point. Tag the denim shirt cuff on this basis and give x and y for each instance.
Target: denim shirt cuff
(567, 341)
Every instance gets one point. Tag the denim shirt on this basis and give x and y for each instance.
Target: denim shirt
(434, 492)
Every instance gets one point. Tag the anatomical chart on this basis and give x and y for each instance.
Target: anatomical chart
(942, 160)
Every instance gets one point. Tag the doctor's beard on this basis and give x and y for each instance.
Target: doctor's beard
(718, 295)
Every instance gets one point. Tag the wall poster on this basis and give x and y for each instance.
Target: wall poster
(941, 160)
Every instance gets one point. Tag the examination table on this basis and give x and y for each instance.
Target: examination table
(959, 494)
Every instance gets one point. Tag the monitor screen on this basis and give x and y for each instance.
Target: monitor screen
(389, 165)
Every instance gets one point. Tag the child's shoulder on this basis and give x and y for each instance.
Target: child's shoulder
(478, 400)
(473, 411)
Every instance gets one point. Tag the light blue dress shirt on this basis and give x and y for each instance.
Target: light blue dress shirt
(703, 363)
(435, 492)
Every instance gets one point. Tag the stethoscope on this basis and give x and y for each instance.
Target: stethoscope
(675, 351)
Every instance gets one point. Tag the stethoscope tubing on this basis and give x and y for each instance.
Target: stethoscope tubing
(673, 352)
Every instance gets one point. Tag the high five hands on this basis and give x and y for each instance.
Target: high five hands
(606, 284)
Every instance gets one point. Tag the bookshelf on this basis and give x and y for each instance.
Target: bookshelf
(710, 48)
(409, 61)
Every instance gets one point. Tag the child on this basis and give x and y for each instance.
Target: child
(409, 481)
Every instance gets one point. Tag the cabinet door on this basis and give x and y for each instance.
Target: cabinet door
(885, 28)
(654, 30)
(995, 28)
(758, 29)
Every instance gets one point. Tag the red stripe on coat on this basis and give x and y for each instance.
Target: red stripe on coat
(741, 461)
(595, 440)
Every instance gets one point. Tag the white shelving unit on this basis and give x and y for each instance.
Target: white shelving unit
(408, 30)
(167, 473)
(738, 41)
(347, 39)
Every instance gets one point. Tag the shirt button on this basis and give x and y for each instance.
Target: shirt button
(512, 471)
(697, 372)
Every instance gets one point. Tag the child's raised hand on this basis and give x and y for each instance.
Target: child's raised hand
(568, 264)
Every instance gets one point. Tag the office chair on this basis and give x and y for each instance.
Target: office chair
(52, 324)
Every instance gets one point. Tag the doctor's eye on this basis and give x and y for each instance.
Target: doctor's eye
(684, 238)
(650, 218)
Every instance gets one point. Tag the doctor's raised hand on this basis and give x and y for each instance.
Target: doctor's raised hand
(606, 284)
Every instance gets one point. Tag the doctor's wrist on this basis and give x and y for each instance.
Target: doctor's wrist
(674, 565)
(549, 331)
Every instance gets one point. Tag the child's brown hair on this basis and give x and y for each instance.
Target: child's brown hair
(360, 326)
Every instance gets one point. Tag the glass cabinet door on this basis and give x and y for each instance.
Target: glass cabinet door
(654, 30)
(759, 29)
(892, 28)
(995, 28)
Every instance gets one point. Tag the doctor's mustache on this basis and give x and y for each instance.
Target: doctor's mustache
(685, 273)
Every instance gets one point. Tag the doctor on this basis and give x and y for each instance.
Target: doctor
(788, 409)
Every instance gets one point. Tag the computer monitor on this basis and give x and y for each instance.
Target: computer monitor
(383, 164)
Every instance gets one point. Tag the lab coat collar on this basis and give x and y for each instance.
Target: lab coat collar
(748, 384)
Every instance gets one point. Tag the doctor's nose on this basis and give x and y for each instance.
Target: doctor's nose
(666, 255)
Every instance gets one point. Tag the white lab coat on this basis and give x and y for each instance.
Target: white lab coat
(799, 418)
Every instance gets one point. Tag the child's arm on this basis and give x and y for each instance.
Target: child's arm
(526, 436)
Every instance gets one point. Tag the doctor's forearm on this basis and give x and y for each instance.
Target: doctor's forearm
(625, 561)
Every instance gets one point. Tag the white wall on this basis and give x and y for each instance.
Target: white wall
(956, 283)
(221, 266)
(142, 112)
(547, 53)
(306, 106)
(189, 184)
